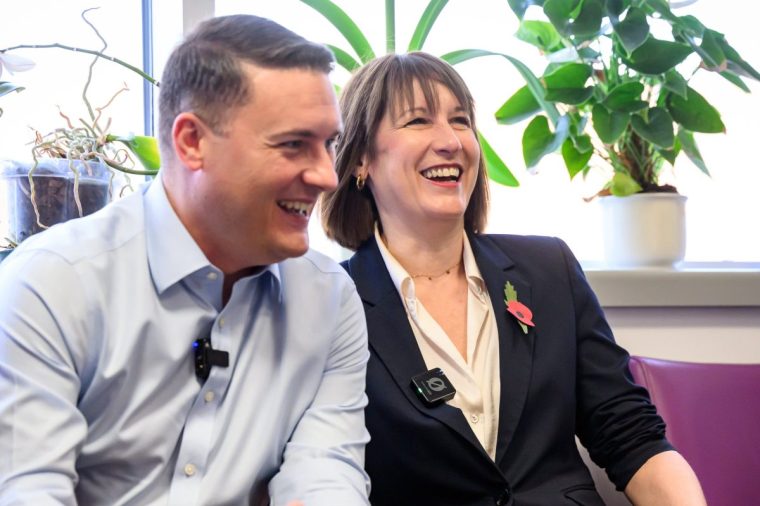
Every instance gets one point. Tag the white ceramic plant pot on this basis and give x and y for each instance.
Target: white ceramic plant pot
(644, 230)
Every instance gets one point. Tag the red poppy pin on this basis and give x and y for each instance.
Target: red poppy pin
(519, 310)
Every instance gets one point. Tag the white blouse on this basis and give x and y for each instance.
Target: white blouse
(476, 380)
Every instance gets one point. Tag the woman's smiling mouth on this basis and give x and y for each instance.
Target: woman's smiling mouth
(442, 174)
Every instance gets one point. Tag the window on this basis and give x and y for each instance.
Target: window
(720, 209)
(59, 76)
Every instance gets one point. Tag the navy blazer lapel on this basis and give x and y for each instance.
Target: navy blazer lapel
(391, 337)
(515, 347)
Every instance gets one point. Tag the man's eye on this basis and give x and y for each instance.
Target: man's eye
(331, 143)
(291, 144)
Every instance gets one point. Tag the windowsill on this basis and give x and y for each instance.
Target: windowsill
(716, 284)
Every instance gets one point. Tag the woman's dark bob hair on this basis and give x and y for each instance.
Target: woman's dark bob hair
(382, 86)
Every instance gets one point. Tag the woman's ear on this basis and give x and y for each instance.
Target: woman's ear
(187, 134)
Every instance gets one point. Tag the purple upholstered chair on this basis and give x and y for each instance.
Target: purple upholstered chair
(712, 412)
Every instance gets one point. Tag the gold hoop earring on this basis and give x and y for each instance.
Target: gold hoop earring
(360, 182)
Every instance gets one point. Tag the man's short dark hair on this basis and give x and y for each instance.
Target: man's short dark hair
(204, 73)
(377, 89)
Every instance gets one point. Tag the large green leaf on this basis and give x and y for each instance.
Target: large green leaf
(735, 62)
(609, 125)
(541, 34)
(533, 83)
(144, 148)
(575, 160)
(425, 23)
(520, 6)
(688, 26)
(734, 79)
(656, 128)
(344, 59)
(589, 20)
(614, 8)
(710, 50)
(689, 146)
(519, 106)
(626, 97)
(662, 7)
(675, 82)
(497, 169)
(561, 13)
(658, 56)
(623, 184)
(6, 87)
(538, 139)
(345, 25)
(633, 30)
(567, 84)
(695, 113)
(390, 26)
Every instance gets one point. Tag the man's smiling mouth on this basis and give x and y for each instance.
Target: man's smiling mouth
(294, 207)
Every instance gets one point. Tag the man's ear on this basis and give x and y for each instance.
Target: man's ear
(187, 133)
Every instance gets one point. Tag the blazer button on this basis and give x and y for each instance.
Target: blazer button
(503, 499)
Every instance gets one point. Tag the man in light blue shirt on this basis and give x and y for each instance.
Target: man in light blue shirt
(106, 396)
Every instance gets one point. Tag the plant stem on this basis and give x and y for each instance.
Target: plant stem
(88, 51)
(390, 26)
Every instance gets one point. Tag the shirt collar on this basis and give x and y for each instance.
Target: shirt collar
(172, 252)
(403, 281)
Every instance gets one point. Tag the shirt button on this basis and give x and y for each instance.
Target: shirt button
(474, 418)
(189, 470)
(211, 276)
(221, 322)
(208, 396)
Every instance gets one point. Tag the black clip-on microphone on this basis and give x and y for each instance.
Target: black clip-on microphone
(206, 357)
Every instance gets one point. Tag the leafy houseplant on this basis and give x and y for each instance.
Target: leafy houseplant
(363, 53)
(71, 173)
(615, 90)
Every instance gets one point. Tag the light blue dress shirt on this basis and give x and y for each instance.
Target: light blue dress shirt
(99, 402)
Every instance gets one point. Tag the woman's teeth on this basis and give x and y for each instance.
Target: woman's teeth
(442, 173)
(300, 208)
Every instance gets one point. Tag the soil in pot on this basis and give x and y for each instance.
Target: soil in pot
(54, 197)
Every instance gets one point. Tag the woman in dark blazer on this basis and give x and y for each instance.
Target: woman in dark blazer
(488, 353)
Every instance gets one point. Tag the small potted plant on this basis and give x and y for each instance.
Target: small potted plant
(614, 92)
(72, 169)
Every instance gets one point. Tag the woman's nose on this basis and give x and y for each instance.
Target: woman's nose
(446, 139)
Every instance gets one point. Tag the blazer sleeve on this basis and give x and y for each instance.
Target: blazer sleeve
(615, 419)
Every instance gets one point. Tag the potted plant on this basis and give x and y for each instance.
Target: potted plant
(615, 92)
(12, 63)
(72, 169)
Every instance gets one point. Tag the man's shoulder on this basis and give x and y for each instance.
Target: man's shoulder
(78, 239)
(315, 263)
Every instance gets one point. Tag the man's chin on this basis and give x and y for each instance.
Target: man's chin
(291, 250)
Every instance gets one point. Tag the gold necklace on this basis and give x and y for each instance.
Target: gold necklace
(431, 277)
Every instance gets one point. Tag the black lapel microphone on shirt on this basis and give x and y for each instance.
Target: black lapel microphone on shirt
(207, 357)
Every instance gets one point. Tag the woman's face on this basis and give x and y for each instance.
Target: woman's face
(425, 164)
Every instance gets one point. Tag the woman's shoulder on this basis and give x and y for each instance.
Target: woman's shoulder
(523, 244)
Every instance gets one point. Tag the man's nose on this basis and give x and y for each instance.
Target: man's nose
(322, 173)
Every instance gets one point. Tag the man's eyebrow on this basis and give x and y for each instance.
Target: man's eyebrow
(306, 134)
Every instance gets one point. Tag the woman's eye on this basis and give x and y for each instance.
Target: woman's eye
(416, 121)
(462, 120)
